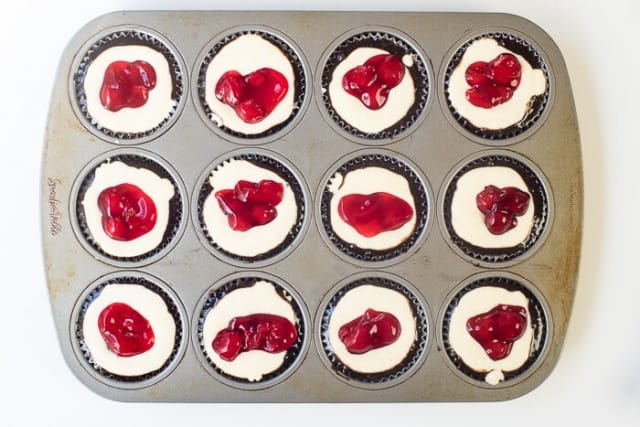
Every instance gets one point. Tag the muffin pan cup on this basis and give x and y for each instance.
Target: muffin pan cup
(435, 146)
(123, 35)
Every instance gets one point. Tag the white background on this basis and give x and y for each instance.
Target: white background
(597, 379)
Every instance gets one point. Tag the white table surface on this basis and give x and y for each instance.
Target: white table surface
(597, 379)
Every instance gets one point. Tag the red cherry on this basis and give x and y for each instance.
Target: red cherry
(261, 214)
(501, 207)
(479, 96)
(487, 96)
(127, 84)
(234, 209)
(253, 96)
(266, 332)
(499, 222)
(476, 73)
(497, 329)
(372, 214)
(509, 322)
(125, 331)
(230, 88)
(228, 344)
(265, 191)
(359, 78)
(486, 199)
(497, 349)
(514, 201)
(493, 83)
(388, 68)
(250, 111)
(505, 70)
(127, 212)
(372, 81)
(374, 329)
(250, 204)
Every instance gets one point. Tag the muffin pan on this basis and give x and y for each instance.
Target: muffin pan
(189, 278)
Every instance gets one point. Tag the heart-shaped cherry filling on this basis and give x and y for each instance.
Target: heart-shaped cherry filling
(127, 84)
(372, 81)
(372, 214)
(127, 212)
(494, 82)
(374, 329)
(126, 332)
(250, 204)
(253, 96)
(266, 332)
(501, 206)
(497, 329)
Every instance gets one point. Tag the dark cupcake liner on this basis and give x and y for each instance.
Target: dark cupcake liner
(292, 355)
(172, 307)
(539, 197)
(390, 376)
(539, 323)
(422, 206)
(269, 163)
(128, 37)
(300, 83)
(539, 103)
(177, 210)
(396, 45)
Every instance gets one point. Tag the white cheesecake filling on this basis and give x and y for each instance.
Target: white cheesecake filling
(532, 82)
(352, 305)
(370, 180)
(468, 221)
(479, 301)
(153, 308)
(159, 103)
(256, 240)
(160, 190)
(247, 54)
(263, 298)
(351, 109)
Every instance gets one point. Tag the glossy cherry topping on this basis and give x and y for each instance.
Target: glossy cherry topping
(266, 332)
(372, 81)
(127, 212)
(497, 329)
(501, 206)
(126, 332)
(127, 84)
(372, 214)
(250, 204)
(493, 83)
(253, 96)
(374, 329)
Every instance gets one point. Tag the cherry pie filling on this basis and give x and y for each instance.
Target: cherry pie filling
(253, 96)
(372, 81)
(127, 85)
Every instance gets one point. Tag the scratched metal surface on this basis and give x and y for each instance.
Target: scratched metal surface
(313, 269)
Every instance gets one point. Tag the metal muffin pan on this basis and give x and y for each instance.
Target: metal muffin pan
(431, 273)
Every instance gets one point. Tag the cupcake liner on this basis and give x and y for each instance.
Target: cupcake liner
(85, 352)
(176, 211)
(418, 190)
(292, 355)
(266, 162)
(539, 323)
(300, 84)
(396, 45)
(126, 37)
(396, 374)
(539, 103)
(540, 199)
